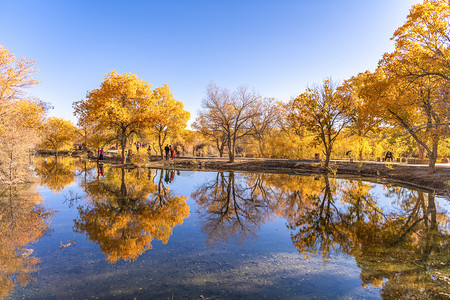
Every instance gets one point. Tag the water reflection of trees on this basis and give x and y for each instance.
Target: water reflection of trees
(23, 220)
(55, 173)
(127, 209)
(403, 247)
(232, 208)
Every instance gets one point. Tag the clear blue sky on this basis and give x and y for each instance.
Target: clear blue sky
(276, 47)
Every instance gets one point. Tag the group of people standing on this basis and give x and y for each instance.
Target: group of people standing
(170, 150)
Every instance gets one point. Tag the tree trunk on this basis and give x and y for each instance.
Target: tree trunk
(432, 158)
(261, 147)
(123, 145)
(161, 151)
(421, 152)
(220, 147)
(327, 159)
(231, 145)
(431, 209)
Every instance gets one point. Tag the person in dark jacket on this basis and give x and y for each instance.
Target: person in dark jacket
(167, 149)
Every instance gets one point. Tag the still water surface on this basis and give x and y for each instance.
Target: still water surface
(88, 232)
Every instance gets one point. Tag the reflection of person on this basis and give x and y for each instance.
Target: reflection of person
(167, 178)
(100, 169)
(172, 175)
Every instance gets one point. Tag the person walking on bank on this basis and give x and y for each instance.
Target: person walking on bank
(100, 154)
(167, 149)
(172, 152)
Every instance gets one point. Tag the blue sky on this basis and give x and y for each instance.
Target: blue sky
(277, 47)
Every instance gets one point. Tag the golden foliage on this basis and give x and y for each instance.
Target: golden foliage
(23, 221)
(124, 214)
(170, 118)
(59, 134)
(20, 117)
(123, 104)
(55, 173)
(323, 111)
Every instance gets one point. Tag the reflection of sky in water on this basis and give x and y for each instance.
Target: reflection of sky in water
(267, 266)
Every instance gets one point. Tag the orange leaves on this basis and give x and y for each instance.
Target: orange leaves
(20, 117)
(15, 75)
(422, 43)
(58, 133)
(323, 111)
(121, 99)
(127, 211)
(126, 105)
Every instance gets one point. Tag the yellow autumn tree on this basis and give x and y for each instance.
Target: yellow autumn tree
(58, 134)
(362, 113)
(19, 135)
(417, 76)
(123, 104)
(323, 111)
(170, 118)
(20, 117)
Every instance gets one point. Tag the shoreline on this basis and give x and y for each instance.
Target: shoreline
(413, 176)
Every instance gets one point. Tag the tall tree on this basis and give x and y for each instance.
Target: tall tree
(211, 131)
(323, 111)
(363, 117)
(230, 112)
(265, 122)
(170, 117)
(19, 135)
(123, 104)
(418, 75)
(58, 133)
(20, 116)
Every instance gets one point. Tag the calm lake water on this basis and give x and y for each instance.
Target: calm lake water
(88, 232)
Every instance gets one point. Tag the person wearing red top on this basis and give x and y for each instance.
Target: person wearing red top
(100, 154)
(172, 152)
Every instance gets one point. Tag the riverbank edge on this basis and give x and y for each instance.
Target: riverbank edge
(412, 176)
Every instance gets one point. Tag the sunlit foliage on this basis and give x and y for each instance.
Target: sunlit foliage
(58, 134)
(170, 118)
(23, 221)
(123, 104)
(55, 173)
(20, 117)
(323, 111)
(126, 210)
